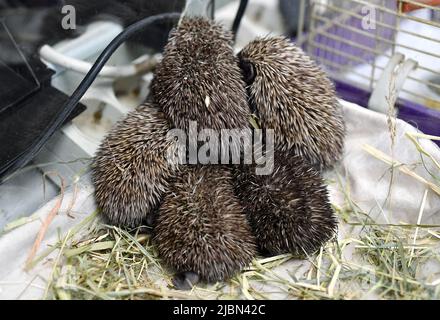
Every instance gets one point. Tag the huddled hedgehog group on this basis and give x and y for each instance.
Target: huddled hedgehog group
(210, 221)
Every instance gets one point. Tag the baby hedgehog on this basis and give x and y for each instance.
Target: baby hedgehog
(201, 230)
(288, 210)
(130, 169)
(199, 78)
(290, 94)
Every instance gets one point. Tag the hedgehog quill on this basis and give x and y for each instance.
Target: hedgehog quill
(289, 210)
(199, 78)
(291, 95)
(201, 229)
(131, 168)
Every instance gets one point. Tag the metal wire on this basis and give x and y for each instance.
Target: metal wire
(372, 36)
(333, 26)
(399, 12)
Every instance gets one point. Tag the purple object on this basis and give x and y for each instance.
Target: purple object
(351, 33)
(339, 41)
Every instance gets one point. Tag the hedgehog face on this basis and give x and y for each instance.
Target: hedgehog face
(290, 94)
(248, 70)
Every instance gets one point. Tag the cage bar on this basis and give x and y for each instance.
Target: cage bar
(333, 34)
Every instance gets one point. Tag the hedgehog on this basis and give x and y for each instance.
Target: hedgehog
(201, 230)
(289, 209)
(131, 168)
(291, 95)
(199, 78)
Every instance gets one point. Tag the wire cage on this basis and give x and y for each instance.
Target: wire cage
(354, 41)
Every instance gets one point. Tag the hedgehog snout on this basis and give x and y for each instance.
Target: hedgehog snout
(248, 70)
(249, 73)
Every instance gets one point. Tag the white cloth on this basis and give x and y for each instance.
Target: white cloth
(367, 176)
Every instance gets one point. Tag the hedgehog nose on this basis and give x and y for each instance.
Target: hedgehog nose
(248, 71)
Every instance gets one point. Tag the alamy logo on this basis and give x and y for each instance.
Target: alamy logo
(69, 20)
(369, 19)
(227, 146)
